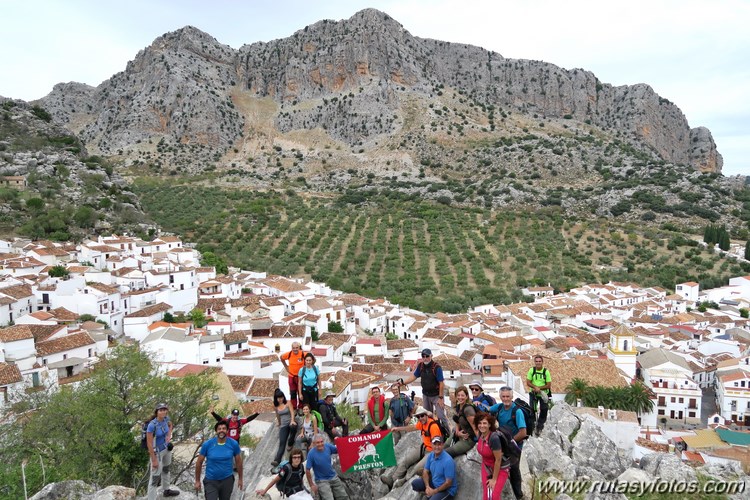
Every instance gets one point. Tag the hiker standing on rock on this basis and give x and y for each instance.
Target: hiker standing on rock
(158, 442)
(221, 455)
(327, 483)
(430, 374)
(309, 376)
(539, 382)
(287, 424)
(511, 416)
(296, 358)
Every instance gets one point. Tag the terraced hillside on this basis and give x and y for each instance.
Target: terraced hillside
(423, 253)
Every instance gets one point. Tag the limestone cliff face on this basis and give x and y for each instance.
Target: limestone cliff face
(359, 80)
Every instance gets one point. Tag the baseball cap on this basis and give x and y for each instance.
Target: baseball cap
(235, 412)
(437, 439)
(330, 393)
(426, 352)
(161, 405)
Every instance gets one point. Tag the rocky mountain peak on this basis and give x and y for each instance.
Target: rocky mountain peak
(366, 86)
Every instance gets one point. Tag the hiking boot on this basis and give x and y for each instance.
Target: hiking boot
(171, 493)
(274, 463)
(387, 480)
(399, 483)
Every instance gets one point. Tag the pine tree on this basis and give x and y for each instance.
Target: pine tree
(747, 250)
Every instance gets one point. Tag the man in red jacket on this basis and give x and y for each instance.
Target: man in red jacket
(377, 412)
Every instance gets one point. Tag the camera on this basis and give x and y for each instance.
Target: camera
(170, 446)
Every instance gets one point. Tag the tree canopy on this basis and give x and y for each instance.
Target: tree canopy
(92, 432)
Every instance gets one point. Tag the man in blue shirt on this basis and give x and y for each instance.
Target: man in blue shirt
(505, 411)
(221, 455)
(438, 481)
(327, 483)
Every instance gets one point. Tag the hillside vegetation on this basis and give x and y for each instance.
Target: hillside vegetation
(422, 253)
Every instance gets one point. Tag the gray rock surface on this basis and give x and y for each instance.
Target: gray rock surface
(668, 467)
(358, 81)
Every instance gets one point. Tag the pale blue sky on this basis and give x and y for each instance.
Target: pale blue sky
(692, 52)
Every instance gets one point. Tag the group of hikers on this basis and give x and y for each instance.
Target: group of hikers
(497, 429)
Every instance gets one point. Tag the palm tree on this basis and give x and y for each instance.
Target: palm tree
(639, 398)
(576, 390)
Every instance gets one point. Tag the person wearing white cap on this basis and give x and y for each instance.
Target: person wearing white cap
(429, 429)
(438, 481)
(481, 400)
(331, 418)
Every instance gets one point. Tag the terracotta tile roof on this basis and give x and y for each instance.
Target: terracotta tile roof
(435, 333)
(36, 332)
(236, 337)
(150, 310)
(352, 299)
(259, 406)
(240, 383)
(190, 369)
(335, 340)
(62, 314)
(66, 343)
(17, 291)
(401, 344)
(9, 374)
(23, 263)
(280, 331)
(262, 387)
(103, 288)
(342, 378)
(318, 304)
(593, 371)
(283, 284)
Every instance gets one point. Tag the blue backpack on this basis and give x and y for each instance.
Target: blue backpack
(484, 402)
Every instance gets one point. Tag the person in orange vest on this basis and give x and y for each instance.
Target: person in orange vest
(296, 359)
(377, 412)
(429, 429)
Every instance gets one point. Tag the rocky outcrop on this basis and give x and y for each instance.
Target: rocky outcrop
(588, 455)
(187, 99)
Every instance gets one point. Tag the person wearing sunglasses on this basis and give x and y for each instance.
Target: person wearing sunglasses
(430, 375)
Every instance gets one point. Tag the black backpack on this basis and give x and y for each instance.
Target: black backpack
(511, 450)
(444, 431)
(282, 485)
(528, 415)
